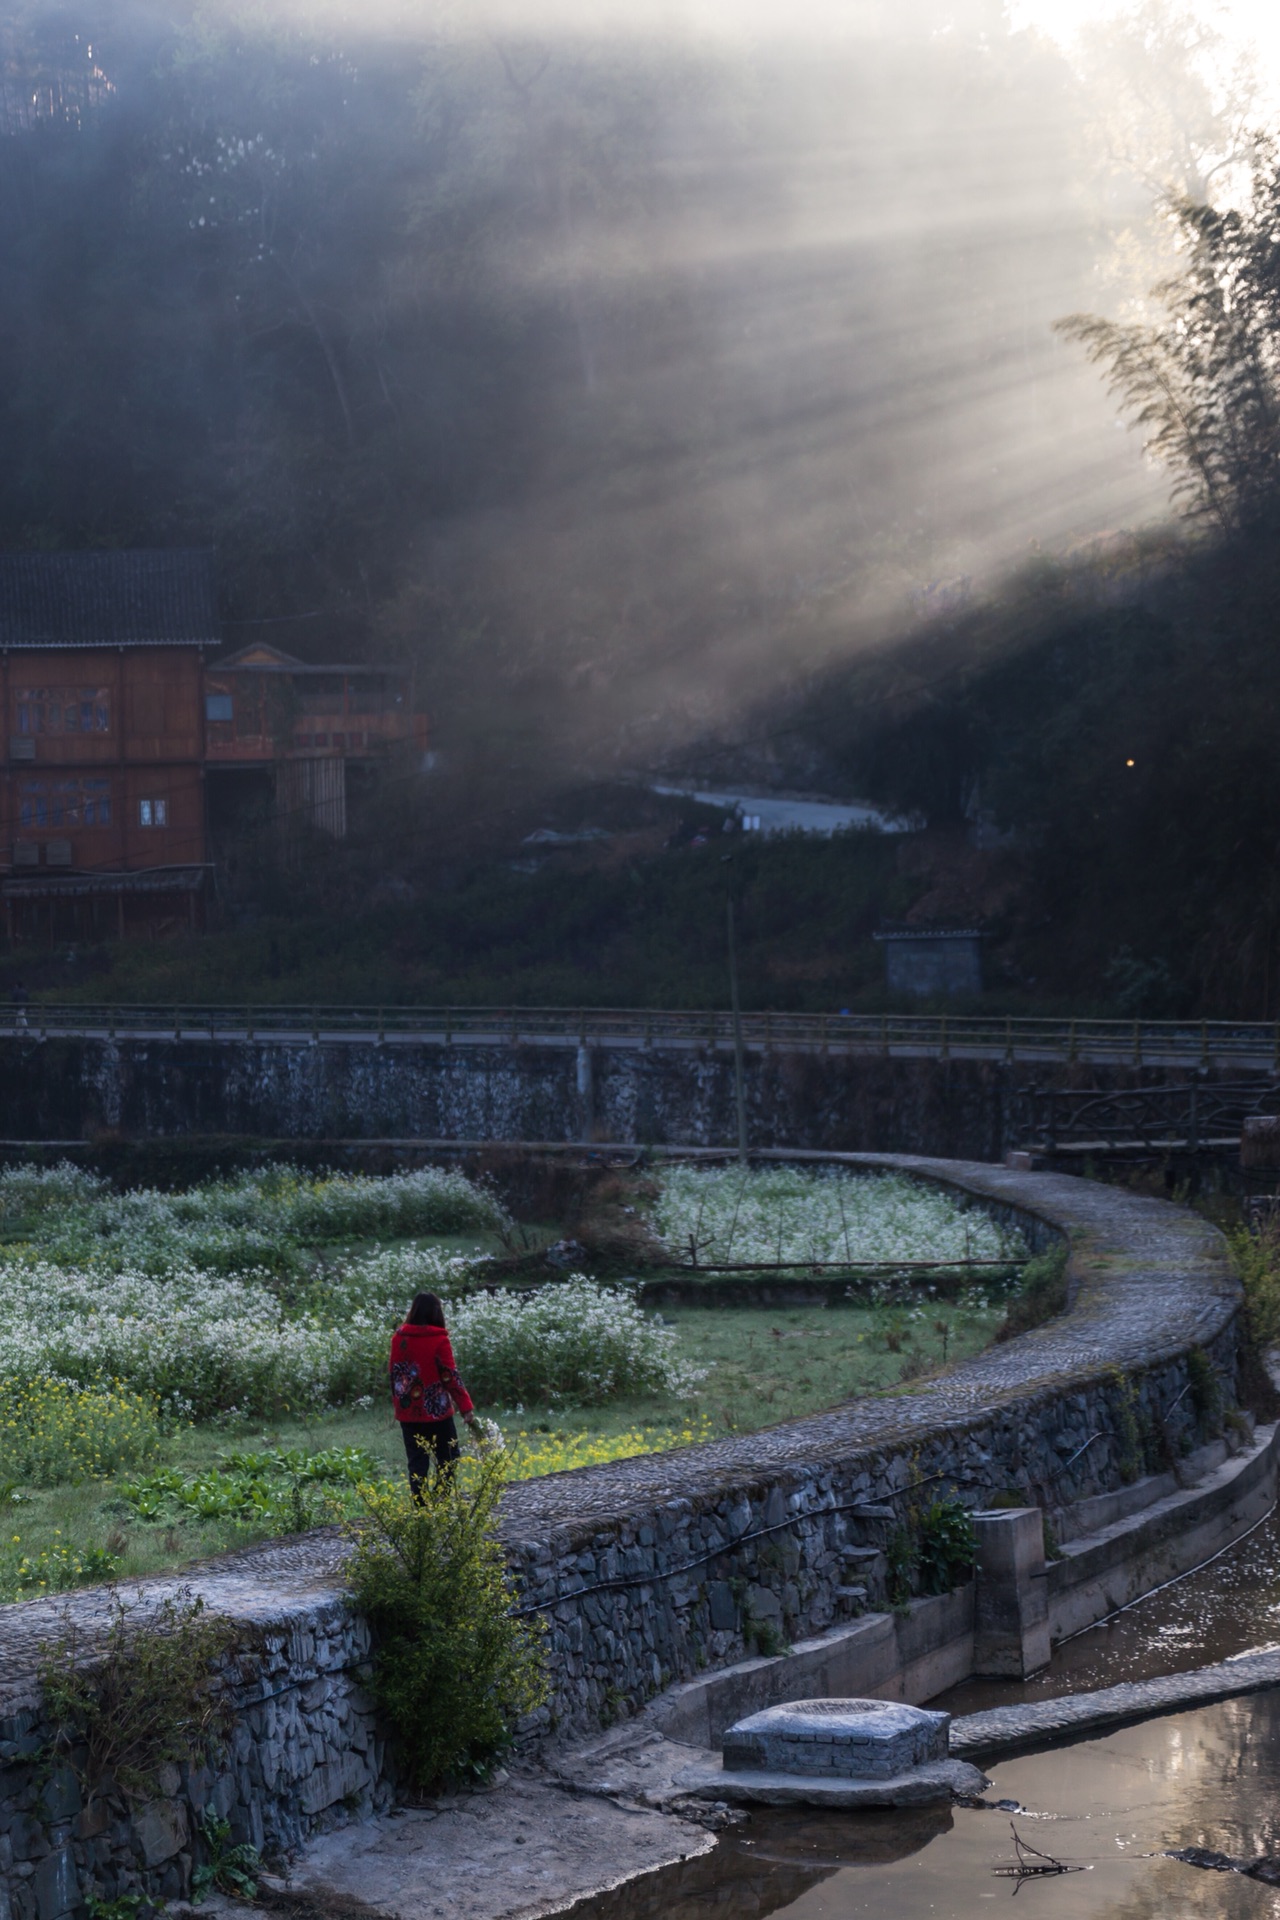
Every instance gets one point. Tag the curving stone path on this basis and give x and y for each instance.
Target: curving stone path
(1148, 1281)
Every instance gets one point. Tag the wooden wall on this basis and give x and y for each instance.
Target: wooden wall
(103, 761)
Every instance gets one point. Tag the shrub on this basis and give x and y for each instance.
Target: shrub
(52, 1569)
(258, 1222)
(429, 1200)
(453, 1668)
(571, 1343)
(1042, 1294)
(1258, 1261)
(27, 1192)
(53, 1432)
(144, 1696)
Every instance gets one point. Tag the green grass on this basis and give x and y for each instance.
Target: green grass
(764, 1365)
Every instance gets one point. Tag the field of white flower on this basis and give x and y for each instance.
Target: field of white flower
(137, 1328)
(143, 1289)
(259, 1221)
(729, 1215)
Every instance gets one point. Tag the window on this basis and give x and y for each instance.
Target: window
(218, 706)
(153, 813)
(63, 710)
(64, 803)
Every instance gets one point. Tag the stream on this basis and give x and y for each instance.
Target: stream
(1110, 1805)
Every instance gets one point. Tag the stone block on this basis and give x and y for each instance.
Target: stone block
(333, 1782)
(30, 1841)
(60, 1798)
(55, 1886)
(762, 1604)
(162, 1830)
(843, 1739)
(723, 1607)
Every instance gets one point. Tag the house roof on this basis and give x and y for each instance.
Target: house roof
(135, 598)
(260, 657)
(901, 932)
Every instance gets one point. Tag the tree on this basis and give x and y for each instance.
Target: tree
(1205, 381)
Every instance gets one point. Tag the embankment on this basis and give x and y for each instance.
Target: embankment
(654, 1570)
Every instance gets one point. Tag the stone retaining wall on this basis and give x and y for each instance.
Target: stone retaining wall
(71, 1088)
(1072, 1409)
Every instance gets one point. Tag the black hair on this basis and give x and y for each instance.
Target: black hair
(426, 1311)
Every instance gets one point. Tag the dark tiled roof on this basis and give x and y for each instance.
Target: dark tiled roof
(158, 598)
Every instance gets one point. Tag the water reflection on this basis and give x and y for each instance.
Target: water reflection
(1209, 1778)
(768, 1865)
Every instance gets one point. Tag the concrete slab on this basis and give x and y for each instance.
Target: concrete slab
(521, 1851)
(924, 1786)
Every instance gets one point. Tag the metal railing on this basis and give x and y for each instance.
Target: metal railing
(1136, 1043)
(1191, 1114)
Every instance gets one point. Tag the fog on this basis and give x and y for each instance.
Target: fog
(620, 368)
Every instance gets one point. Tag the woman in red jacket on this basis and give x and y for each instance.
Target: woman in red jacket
(426, 1388)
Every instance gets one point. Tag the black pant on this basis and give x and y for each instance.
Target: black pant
(423, 1438)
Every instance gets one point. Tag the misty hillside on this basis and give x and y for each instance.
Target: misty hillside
(608, 377)
(683, 399)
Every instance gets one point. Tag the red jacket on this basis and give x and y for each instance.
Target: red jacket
(425, 1383)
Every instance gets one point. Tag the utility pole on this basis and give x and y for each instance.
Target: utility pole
(738, 1063)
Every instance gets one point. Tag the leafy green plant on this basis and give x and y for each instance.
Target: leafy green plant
(945, 1545)
(142, 1696)
(126, 1906)
(282, 1487)
(1258, 1261)
(1130, 1450)
(1204, 1390)
(52, 1569)
(900, 1559)
(1042, 1294)
(453, 1666)
(231, 1868)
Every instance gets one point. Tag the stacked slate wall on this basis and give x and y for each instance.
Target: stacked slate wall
(74, 1088)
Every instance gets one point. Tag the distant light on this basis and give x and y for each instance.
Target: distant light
(1128, 763)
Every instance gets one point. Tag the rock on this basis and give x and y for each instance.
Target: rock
(161, 1827)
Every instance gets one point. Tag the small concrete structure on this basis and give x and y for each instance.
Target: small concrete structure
(1011, 1593)
(842, 1739)
(835, 1753)
(932, 962)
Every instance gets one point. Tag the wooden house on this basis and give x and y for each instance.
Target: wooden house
(102, 791)
(132, 761)
(310, 733)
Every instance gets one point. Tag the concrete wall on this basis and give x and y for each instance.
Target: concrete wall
(72, 1088)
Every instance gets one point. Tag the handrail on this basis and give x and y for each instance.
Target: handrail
(1196, 1043)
